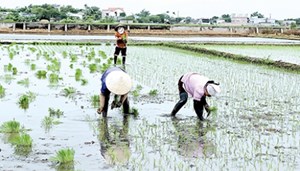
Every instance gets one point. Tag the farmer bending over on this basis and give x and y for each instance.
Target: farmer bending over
(121, 37)
(198, 87)
(118, 82)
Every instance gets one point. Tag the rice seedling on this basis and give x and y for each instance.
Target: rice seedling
(64, 158)
(73, 58)
(33, 67)
(97, 60)
(57, 113)
(107, 44)
(102, 54)
(134, 111)
(41, 74)
(23, 102)
(11, 55)
(48, 122)
(95, 101)
(153, 92)
(14, 71)
(54, 78)
(64, 54)
(104, 67)
(71, 66)
(54, 66)
(11, 127)
(2, 91)
(93, 68)
(8, 78)
(24, 140)
(24, 82)
(25, 99)
(69, 91)
(32, 49)
(78, 74)
(84, 82)
(8, 67)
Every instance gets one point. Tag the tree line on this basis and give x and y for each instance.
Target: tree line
(56, 13)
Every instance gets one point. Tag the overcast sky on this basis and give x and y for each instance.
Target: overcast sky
(277, 9)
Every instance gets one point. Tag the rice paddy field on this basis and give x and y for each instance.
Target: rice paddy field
(49, 97)
(289, 54)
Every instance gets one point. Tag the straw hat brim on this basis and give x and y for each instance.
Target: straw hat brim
(118, 82)
(116, 28)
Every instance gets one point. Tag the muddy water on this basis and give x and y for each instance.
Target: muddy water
(200, 39)
(256, 125)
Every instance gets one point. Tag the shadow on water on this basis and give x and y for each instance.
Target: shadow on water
(114, 141)
(191, 140)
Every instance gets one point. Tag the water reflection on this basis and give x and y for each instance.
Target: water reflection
(114, 141)
(191, 141)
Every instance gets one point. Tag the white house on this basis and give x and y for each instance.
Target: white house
(78, 15)
(262, 21)
(239, 19)
(112, 12)
(288, 22)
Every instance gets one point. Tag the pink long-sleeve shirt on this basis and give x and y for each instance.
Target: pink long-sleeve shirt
(193, 84)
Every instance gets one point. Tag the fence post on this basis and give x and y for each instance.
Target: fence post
(66, 27)
(49, 27)
(24, 26)
(14, 27)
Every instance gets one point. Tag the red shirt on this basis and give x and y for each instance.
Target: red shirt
(121, 39)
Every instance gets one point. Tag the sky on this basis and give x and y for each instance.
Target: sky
(277, 9)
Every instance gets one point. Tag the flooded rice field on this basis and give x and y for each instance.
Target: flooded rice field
(289, 54)
(51, 91)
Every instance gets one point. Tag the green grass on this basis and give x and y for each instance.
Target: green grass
(2, 91)
(10, 127)
(64, 156)
(33, 67)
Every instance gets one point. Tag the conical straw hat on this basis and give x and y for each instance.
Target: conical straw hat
(118, 82)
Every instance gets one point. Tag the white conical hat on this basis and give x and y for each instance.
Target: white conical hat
(213, 89)
(118, 82)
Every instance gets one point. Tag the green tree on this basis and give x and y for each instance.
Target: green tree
(143, 13)
(226, 17)
(257, 14)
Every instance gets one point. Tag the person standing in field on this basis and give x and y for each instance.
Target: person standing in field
(198, 87)
(121, 36)
(118, 82)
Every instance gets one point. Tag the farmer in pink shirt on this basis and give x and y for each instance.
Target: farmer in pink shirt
(198, 87)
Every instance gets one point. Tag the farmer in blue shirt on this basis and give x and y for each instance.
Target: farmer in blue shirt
(118, 82)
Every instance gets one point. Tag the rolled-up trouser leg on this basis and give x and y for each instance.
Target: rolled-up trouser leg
(198, 107)
(183, 99)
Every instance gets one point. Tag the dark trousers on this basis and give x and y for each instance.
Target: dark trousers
(106, 103)
(183, 95)
(123, 53)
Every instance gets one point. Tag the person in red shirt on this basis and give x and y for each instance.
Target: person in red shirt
(121, 37)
